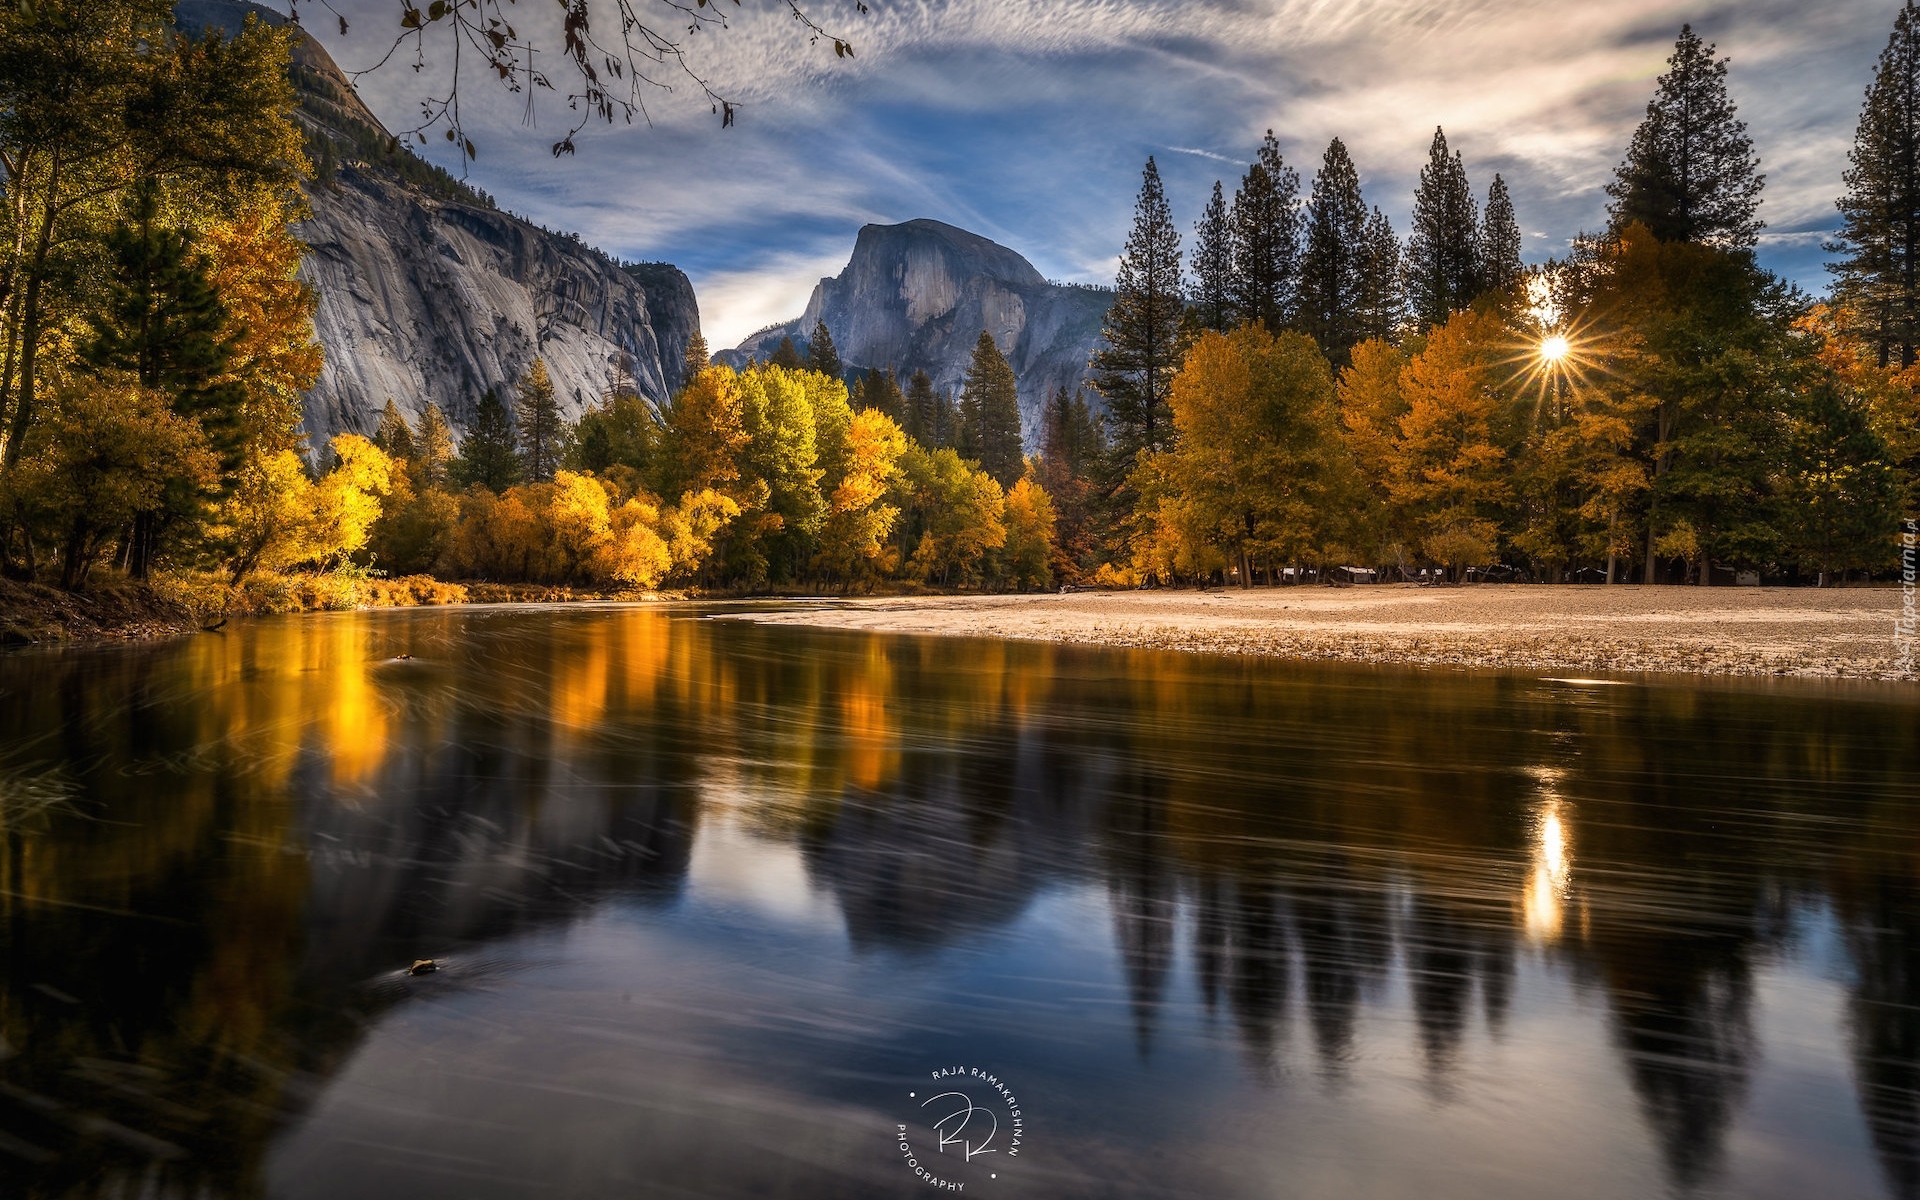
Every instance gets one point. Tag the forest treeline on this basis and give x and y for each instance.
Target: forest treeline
(1311, 391)
(1306, 391)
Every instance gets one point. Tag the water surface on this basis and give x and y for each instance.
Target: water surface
(715, 901)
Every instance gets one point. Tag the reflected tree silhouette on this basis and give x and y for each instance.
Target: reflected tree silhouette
(218, 852)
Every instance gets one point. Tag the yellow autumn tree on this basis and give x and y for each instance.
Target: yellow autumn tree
(1030, 523)
(1259, 469)
(1446, 465)
(278, 517)
(705, 435)
(1371, 405)
(107, 449)
(255, 269)
(853, 538)
(961, 511)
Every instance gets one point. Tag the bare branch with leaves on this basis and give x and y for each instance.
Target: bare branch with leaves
(612, 73)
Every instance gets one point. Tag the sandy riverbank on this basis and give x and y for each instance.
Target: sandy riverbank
(1716, 631)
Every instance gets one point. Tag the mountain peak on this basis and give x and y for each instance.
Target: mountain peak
(917, 295)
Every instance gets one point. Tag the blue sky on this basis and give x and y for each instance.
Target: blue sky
(1028, 121)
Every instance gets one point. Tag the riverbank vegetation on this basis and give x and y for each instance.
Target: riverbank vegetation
(1309, 392)
(1654, 406)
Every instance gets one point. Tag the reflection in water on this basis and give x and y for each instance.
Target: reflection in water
(703, 887)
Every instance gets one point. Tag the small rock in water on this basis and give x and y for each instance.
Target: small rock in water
(423, 966)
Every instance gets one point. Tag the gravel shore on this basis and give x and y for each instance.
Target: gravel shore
(1712, 631)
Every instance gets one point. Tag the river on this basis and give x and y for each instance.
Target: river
(728, 910)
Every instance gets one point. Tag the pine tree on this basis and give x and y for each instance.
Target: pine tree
(489, 454)
(1212, 292)
(1134, 369)
(1071, 450)
(880, 391)
(944, 428)
(786, 356)
(696, 358)
(1069, 435)
(163, 321)
(821, 356)
(621, 383)
(1442, 259)
(1382, 305)
(1879, 277)
(536, 415)
(1332, 271)
(393, 435)
(922, 410)
(1500, 265)
(990, 414)
(1266, 239)
(433, 446)
(1690, 174)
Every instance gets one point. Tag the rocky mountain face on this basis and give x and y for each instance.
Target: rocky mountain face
(915, 296)
(428, 293)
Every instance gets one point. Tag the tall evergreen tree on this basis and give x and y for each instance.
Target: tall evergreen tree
(1266, 239)
(163, 321)
(1690, 174)
(696, 358)
(1135, 368)
(1879, 275)
(1071, 450)
(1212, 292)
(1500, 265)
(944, 428)
(536, 416)
(784, 355)
(393, 435)
(1332, 271)
(990, 414)
(489, 454)
(1070, 434)
(821, 356)
(922, 410)
(1382, 304)
(433, 446)
(880, 391)
(1443, 253)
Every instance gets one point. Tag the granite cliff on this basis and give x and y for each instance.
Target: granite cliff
(915, 296)
(429, 293)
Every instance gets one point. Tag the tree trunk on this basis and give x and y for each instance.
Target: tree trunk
(140, 554)
(74, 559)
(29, 331)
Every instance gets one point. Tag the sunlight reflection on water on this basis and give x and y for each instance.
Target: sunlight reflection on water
(711, 898)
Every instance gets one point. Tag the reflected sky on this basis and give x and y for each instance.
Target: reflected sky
(713, 899)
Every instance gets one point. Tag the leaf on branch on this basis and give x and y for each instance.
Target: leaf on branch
(841, 49)
(410, 18)
(343, 27)
(726, 114)
(472, 152)
(563, 146)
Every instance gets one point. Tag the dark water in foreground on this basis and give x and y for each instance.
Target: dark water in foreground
(714, 899)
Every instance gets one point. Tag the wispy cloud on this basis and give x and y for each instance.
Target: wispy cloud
(1029, 122)
(1204, 154)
